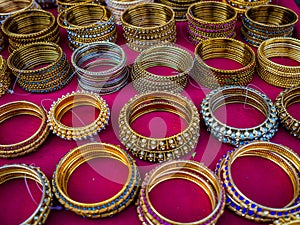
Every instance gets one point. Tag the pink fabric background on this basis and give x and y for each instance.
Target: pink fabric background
(100, 179)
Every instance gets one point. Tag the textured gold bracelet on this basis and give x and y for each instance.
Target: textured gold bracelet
(4, 76)
(291, 220)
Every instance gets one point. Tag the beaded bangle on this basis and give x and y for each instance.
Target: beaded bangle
(187, 170)
(87, 58)
(284, 100)
(4, 76)
(77, 156)
(282, 156)
(76, 99)
(291, 220)
(169, 56)
(159, 149)
(237, 94)
(275, 73)
(227, 48)
(16, 108)
(17, 171)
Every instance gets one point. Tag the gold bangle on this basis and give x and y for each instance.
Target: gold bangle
(159, 149)
(241, 6)
(65, 4)
(291, 220)
(4, 76)
(82, 154)
(32, 143)
(75, 99)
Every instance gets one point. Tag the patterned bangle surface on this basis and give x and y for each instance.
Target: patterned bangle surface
(4, 76)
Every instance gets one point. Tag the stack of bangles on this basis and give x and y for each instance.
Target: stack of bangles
(210, 19)
(148, 24)
(22, 171)
(241, 6)
(89, 61)
(238, 202)
(87, 23)
(117, 7)
(30, 144)
(191, 171)
(52, 77)
(236, 94)
(4, 76)
(285, 99)
(82, 154)
(267, 21)
(291, 220)
(273, 72)
(159, 149)
(162, 55)
(62, 5)
(235, 50)
(77, 99)
(30, 26)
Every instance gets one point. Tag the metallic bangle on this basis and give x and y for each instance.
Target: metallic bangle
(268, 21)
(210, 19)
(82, 154)
(148, 24)
(237, 94)
(227, 48)
(241, 6)
(16, 108)
(4, 76)
(285, 99)
(87, 58)
(17, 171)
(282, 156)
(291, 220)
(161, 55)
(191, 171)
(65, 4)
(275, 73)
(76, 99)
(159, 149)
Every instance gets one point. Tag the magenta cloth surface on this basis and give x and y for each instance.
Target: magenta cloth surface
(97, 180)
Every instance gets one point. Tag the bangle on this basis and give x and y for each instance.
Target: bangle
(100, 55)
(275, 73)
(159, 149)
(75, 99)
(241, 6)
(191, 171)
(33, 142)
(291, 220)
(237, 94)
(267, 21)
(30, 26)
(227, 48)
(62, 5)
(282, 156)
(210, 20)
(52, 77)
(168, 56)
(285, 99)
(17, 171)
(82, 154)
(87, 23)
(148, 24)
(4, 76)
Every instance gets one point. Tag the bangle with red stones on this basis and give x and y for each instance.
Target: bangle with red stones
(187, 170)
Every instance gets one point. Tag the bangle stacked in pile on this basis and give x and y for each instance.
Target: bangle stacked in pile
(241, 6)
(87, 23)
(210, 19)
(275, 73)
(4, 76)
(162, 55)
(143, 29)
(117, 7)
(267, 21)
(101, 67)
(227, 48)
(30, 26)
(52, 77)
(64, 4)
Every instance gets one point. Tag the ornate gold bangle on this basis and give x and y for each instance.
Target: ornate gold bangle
(282, 156)
(159, 149)
(187, 170)
(285, 99)
(291, 220)
(241, 6)
(76, 157)
(161, 55)
(32, 143)
(4, 76)
(65, 4)
(227, 48)
(76, 99)
(17, 171)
